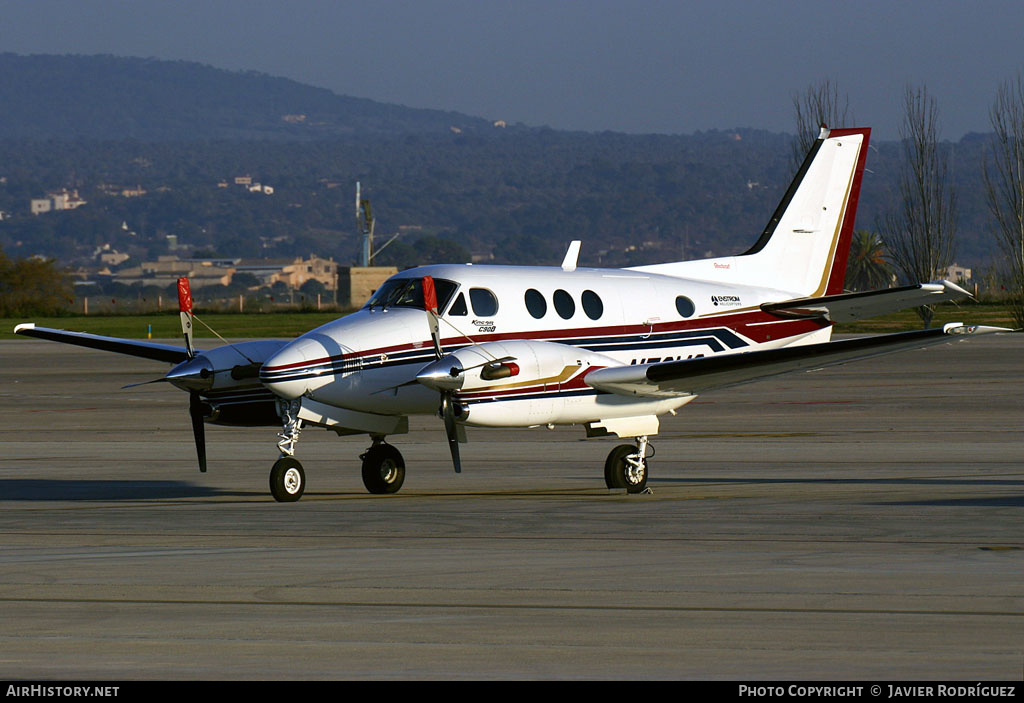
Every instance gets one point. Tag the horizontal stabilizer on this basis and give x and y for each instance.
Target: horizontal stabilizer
(132, 347)
(694, 376)
(844, 307)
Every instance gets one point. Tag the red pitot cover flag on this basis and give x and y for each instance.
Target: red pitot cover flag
(429, 295)
(184, 296)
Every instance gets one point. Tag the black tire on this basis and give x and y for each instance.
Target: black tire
(287, 480)
(383, 469)
(617, 473)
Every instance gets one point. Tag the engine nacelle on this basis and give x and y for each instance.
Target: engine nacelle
(522, 383)
(229, 367)
(227, 380)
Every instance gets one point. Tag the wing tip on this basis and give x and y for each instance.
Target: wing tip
(24, 326)
(960, 328)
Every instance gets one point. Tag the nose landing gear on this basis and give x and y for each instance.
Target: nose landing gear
(627, 467)
(287, 479)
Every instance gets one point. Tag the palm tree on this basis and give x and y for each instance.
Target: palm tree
(867, 268)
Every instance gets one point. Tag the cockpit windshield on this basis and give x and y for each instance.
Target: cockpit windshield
(408, 293)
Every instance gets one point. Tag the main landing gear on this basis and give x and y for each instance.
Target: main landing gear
(383, 468)
(626, 467)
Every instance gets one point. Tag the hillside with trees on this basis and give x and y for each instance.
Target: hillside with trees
(111, 97)
(165, 156)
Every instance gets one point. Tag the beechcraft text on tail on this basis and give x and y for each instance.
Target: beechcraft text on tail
(609, 350)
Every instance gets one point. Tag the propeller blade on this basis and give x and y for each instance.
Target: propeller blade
(195, 409)
(185, 307)
(448, 410)
(146, 383)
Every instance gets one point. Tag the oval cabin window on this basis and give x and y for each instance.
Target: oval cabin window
(535, 303)
(592, 304)
(483, 301)
(565, 306)
(685, 306)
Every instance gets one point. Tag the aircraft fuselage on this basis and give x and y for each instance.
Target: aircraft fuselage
(368, 361)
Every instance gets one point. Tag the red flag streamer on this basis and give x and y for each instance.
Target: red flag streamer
(184, 296)
(429, 295)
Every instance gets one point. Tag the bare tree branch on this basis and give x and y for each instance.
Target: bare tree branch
(1004, 185)
(921, 232)
(820, 104)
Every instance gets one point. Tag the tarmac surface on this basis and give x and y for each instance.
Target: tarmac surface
(861, 522)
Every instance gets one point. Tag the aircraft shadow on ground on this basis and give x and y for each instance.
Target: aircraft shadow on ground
(1007, 501)
(49, 489)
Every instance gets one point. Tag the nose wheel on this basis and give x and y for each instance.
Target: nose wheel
(287, 480)
(627, 467)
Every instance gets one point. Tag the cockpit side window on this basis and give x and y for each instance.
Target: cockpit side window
(388, 290)
(459, 306)
(408, 293)
(445, 290)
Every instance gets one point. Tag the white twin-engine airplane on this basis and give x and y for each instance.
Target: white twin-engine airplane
(514, 346)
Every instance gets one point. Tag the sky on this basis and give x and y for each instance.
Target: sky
(629, 65)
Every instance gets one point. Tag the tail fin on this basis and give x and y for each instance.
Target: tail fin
(806, 244)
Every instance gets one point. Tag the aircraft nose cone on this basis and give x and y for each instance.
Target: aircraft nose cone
(298, 368)
(443, 375)
(192, 375)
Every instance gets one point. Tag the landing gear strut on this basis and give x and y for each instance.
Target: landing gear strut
(627, 466)
(383, 468)
(287, 479)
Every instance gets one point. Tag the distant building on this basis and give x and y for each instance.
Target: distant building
(57, 200)
(357, 283)
(111, 257)
(292, 272)
(957, 273)
(166, 270)
(65, 200)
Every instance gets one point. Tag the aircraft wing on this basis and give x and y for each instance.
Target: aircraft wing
(695, 376)
(132, 347)
(844, 307)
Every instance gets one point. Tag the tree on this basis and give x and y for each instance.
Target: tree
(867, 268)
(921, 231)
(1004, 185)
(820, 105)
(32, 287)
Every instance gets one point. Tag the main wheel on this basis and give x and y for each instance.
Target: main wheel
(383, 469)
(619, 472)
(287, 480)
